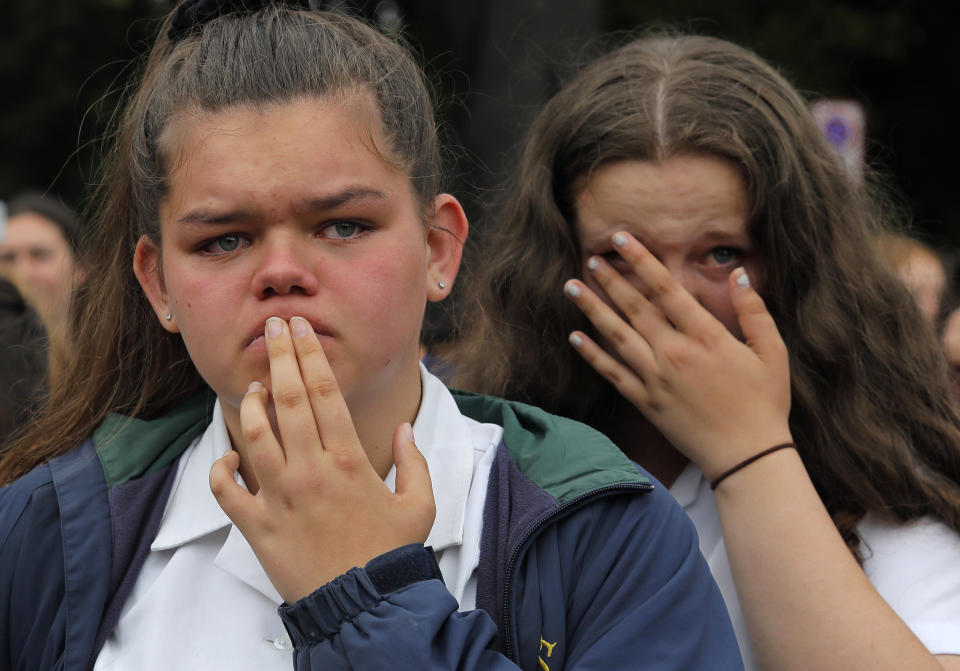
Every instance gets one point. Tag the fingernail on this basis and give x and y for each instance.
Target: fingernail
(575, 340)
(619, 240)
(299, 327)
(408, 432)
(593, 263)
(254, 387)
(571, 289)
(743, 280)
(274, 327)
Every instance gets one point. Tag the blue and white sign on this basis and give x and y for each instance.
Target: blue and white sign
(843, 124)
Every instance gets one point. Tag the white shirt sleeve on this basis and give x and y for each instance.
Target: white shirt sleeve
(916, 568)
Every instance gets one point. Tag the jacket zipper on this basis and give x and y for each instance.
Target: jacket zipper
(532, 531)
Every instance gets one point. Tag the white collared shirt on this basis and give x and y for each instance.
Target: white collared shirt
(914, 566)
(203, 601)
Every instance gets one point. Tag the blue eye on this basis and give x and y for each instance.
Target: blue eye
(345, 228)
(342, 230)
(228, 243)
(224, 244)
(724, 255)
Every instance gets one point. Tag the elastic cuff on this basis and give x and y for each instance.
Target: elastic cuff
(320, 614)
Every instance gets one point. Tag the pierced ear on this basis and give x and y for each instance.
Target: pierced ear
(146, 266)
(445, 238)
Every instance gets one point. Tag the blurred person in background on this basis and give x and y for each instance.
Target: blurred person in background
(39, 249)
(920, 268)
(23, 362)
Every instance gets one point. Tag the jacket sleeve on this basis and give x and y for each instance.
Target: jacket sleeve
(32, 616)
(395, 613)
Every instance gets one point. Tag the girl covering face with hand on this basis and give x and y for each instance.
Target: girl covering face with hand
(275, 190)
(810, 433)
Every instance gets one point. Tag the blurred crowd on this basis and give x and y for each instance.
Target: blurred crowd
(40, 268)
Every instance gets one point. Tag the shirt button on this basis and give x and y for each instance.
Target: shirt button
(281, 642)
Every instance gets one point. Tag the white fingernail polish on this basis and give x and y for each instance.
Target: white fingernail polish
(743, 280)
(592, 263)
(572, 290)
(575, 340)
(619, 240)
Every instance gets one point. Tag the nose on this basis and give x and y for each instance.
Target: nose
(285, 269)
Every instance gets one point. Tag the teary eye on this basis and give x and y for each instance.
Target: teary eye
(724, 255)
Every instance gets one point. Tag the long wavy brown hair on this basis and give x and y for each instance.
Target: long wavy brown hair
(872, 412)
(124, 361)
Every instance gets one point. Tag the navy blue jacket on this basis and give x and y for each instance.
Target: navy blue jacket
(585, 564)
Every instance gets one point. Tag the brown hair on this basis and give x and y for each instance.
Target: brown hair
(125, 362)
(872, 412)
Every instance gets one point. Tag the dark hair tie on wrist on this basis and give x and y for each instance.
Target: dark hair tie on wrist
(746, 462)
(191, 15)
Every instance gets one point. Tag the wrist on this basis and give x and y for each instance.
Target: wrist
(747, 462)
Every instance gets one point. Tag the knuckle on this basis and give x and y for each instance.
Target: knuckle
(218, 484)
(323, 387)
(288, 398)
(609, 371)
(779, 348)
(619, 337)
(662, 285)
(633, 305)
(347, 462)
(677, 355)
(253, 433)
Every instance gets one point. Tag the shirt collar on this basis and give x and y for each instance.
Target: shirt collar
(192, 510)
(443, 437)
(686, 488)
(441, 434)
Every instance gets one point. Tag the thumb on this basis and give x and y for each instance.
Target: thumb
(413, 475)
(233, 498)
(759, 329)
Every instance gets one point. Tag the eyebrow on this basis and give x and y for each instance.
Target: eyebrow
(202, 215)
(719, 234)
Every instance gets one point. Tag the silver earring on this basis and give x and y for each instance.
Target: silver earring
(442, 284)
(169, 316)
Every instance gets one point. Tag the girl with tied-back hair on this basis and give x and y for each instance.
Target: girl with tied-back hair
(226, 476)
(682, 263)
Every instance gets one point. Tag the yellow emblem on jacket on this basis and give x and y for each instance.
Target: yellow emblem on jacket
(549, 647)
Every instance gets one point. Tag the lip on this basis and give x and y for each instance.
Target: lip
(256, 339)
